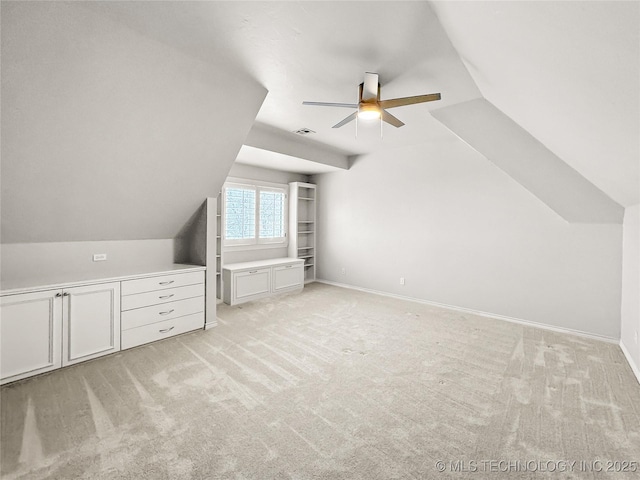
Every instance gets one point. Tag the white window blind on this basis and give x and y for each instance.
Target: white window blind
(272, 214)
(240, 213)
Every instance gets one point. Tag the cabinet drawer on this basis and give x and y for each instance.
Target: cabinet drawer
(252, 283)
(288, 277)
(158, 313)
(157, 331)
(132, 287)
(162, 296)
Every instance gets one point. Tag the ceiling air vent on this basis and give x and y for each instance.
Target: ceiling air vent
(304, 131)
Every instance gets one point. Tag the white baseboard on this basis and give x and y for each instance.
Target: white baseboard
(632, 363)
(520, 321)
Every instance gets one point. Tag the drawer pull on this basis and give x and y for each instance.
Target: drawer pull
(165, 330)
(289, 266)
(167, 313)
(167, 283)
(162, 297)
(254, 271)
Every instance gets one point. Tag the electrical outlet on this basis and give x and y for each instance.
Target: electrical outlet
(401, 280)
(344, 271)
(99, 257)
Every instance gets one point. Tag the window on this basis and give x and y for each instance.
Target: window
(254, 214)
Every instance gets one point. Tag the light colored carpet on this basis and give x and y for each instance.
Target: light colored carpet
(331, 384)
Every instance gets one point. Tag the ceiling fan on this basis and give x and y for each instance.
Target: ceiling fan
(370, 106)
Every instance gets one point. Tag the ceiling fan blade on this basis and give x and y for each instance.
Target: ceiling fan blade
(370, 89)
(346, 120)
(390, 119)
(326, 104)
(399, 102)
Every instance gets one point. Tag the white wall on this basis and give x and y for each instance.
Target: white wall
(463, 233)
(41, 261)
(631, 286)
(266, 175)
(108, 134)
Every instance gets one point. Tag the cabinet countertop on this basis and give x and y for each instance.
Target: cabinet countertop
(72, 279)
(261, 263)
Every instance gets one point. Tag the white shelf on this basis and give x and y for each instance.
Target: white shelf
(302, 226)
(219, 250)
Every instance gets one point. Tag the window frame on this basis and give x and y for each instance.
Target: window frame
(256, 242)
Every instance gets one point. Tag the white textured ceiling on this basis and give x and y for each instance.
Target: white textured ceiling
(567, 72)
(319, 51)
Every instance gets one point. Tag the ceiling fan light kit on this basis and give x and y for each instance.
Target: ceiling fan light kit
(370, 107)
(368, 111)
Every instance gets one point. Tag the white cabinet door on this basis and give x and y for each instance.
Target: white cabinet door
(91, 322)
(251, 284)
(287, 277)
(30, 334)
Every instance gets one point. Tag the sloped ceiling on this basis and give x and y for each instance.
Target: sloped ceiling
(530, 163)
(189, 77)
(319, 51)
(567, 72)
(107, 134)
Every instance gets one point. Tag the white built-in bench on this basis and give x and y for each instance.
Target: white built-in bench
(252, 280)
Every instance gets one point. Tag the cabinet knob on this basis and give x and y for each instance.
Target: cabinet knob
(58, 295)
(66, 294)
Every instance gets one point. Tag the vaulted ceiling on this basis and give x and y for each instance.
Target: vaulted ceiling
(553, 86)
(319, 51)
(565, 72)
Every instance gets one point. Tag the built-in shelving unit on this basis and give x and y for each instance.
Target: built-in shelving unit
(303, 227)
(219, 259)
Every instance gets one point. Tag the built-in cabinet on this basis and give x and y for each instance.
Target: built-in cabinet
(42, 329)
(254, 280)
(219, 250)
(303, 226)
(30, 334)
(241, 282)
(90, 322)
(160, 307)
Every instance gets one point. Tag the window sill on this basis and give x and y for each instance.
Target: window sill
(255, 246)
